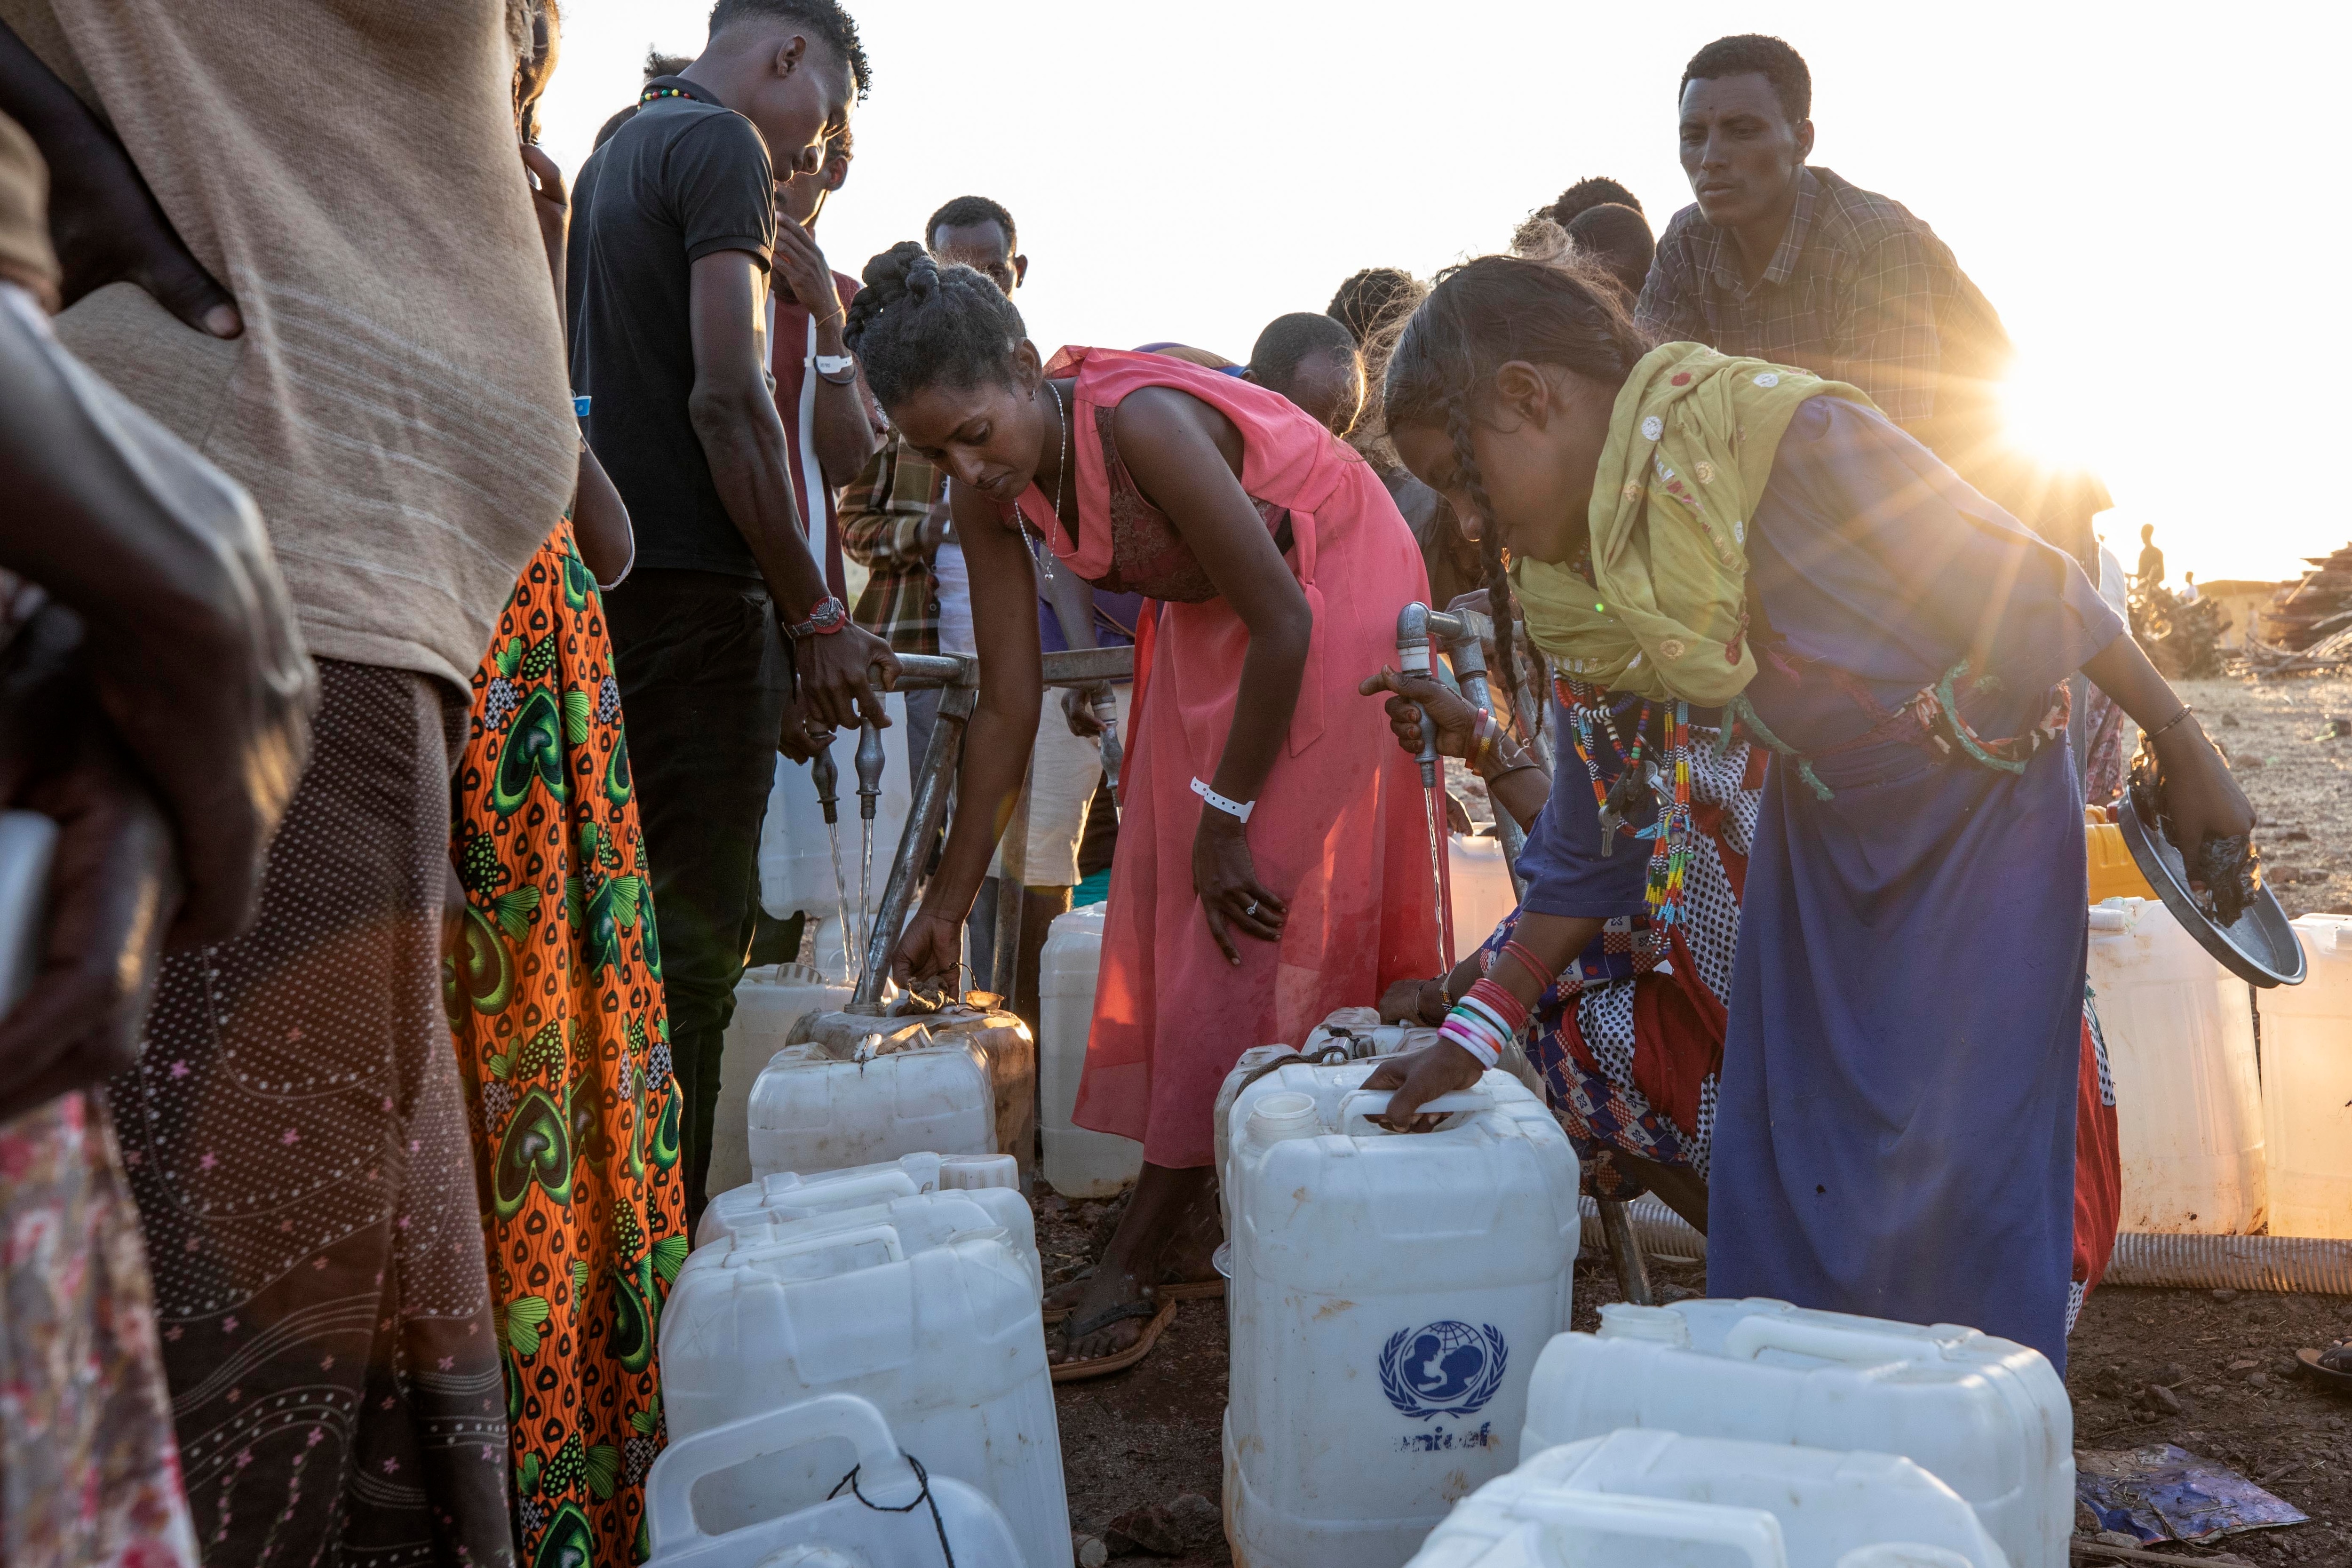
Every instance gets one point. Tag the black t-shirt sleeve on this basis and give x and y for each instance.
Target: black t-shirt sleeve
(719, 176)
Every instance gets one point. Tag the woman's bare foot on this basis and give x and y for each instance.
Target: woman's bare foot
(1162, 1196)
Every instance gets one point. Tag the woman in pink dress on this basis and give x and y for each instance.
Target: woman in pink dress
(1274, 860)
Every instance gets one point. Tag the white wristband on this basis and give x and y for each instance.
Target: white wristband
(1238, 809)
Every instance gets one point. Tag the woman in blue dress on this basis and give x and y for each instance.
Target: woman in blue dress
(1739, 544)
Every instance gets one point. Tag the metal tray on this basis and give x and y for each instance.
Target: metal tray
(2260, 949)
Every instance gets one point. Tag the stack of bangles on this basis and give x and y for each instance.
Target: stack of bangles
(1485, 1021)
(1488, 759)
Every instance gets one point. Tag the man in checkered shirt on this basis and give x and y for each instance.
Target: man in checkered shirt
(1790, 263)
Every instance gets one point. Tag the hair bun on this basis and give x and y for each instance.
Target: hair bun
(891, 272)
(922, 278)
(904, 272)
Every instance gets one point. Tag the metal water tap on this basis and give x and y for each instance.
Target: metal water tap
(1412, 658)
(869, 769)
(825, 776)
(1105, 702)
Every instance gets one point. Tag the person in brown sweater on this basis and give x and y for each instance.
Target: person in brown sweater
(301, 237)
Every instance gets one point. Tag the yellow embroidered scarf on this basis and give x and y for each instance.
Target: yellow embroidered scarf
(1691, 443)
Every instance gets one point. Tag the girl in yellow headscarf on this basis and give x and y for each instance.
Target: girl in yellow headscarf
(1706, 543)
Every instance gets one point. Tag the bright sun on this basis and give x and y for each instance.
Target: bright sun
(2053, 421)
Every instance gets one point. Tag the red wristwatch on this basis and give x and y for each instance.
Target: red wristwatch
(826, 616)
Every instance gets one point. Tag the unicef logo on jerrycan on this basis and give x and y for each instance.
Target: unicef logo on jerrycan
(1442, 1369)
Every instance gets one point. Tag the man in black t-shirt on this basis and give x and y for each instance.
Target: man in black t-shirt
(673, 228)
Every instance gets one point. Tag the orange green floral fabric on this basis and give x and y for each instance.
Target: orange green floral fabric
(554, 991)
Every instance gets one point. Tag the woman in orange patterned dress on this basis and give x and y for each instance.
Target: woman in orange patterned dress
(554, 989)
(555, 996)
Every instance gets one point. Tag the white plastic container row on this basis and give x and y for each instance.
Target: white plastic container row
(1656, 1499)
(886, 1521)
(1389, 1294)
(927, 1309)
(1988, 1417)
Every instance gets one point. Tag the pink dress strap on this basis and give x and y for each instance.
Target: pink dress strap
(1291, 462)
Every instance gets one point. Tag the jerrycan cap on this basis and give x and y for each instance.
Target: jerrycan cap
(1655, 1325)
(974, 1172)
(1278, 1118)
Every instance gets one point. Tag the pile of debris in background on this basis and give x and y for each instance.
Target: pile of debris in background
(2312, 621)
(2181, 639)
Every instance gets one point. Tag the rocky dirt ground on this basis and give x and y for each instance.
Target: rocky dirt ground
(2210, 1371)
(2281, 738)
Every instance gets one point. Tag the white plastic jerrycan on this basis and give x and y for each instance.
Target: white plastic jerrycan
(923, 1220)
(1653, 1499)
(815, 1107)
(853, 1089)
(1349, 1034)
(2306, 1079)
(1988, 1417)
(789, 1195)
(1389, 1294)
(943, 1336)
(1358, 1032)
(767, 1001)
(2180, 1041)
(870, 1525)
(1079, 1162)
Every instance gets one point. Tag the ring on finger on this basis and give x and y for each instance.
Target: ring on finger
(1252, 909)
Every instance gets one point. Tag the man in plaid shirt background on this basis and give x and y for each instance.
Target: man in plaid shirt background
(1785, 262)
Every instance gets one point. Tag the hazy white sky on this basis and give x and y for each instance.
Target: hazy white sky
(2131, 186)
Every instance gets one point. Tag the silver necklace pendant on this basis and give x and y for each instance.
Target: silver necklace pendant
(1044, 557)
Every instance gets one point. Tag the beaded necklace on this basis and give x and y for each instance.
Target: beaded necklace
(1670, 835)
(652, 93)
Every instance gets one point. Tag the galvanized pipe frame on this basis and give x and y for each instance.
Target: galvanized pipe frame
(1465, 635)
(956, 678)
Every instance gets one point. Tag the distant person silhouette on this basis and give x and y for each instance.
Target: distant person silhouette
(2151, 559)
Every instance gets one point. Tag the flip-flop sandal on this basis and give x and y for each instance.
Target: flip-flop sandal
(1103, 1365)
(2326, 1376)
(1059, 1314)
(1191, 1290)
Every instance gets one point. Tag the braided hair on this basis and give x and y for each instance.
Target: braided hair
(1480, 316)
(918, 325)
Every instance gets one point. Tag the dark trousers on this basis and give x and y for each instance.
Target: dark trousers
(706, 677)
